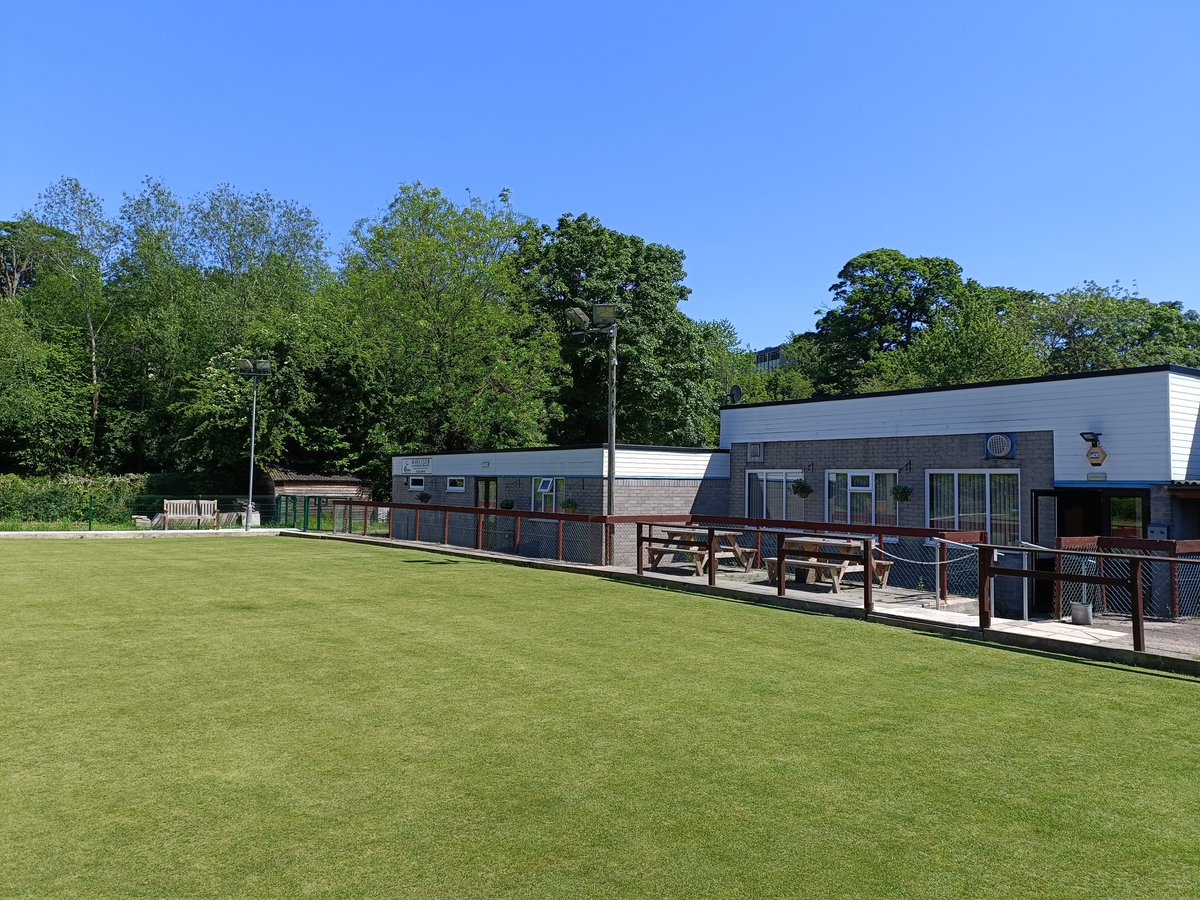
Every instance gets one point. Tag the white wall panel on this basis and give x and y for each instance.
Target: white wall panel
(1132, 411)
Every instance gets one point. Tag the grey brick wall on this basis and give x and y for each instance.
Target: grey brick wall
(1035, 461)
(663, 496)
(635, 496)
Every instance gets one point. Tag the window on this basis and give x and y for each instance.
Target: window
(769, 496)
(976, 501)
(416, 482)
(547, 494)
(860, 497)
(456, 484)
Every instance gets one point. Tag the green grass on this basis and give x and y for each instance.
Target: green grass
(283, 717)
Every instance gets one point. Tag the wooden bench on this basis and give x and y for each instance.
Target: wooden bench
(835, 571)
(693, 543)
(189, 511)
(694, 548)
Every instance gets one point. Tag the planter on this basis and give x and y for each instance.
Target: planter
(1081, 613)
(802, 488)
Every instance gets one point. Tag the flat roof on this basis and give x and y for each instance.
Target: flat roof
(650, 447)
(1102, 373)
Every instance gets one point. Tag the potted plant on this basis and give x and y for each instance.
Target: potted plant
(901, 493)
(569, 506)
(802, 487)
(424, 497)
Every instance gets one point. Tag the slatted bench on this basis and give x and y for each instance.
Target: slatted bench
(189, 511)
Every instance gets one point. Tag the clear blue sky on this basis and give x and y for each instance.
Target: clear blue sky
(1038, 144)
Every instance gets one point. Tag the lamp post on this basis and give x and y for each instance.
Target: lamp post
(260, 368)
(604, 321)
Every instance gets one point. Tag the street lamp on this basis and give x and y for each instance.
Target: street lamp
(604, 321)
(260, 368)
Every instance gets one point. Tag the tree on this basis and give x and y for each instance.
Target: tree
(1092, 327)
(982, 334)
(465, 361)
(664, 391)
(883, 300)
(84, 259)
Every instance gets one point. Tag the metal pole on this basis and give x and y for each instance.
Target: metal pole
(610, 529)
(253, 424)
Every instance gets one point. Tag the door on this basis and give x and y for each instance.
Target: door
(487, 497)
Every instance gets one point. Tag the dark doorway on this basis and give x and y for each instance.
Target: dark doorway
(1080, 514)
(1083, 512)
(487, 492)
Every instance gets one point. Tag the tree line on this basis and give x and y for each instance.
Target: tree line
(444, 326)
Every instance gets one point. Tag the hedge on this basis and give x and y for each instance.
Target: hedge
(66, 499)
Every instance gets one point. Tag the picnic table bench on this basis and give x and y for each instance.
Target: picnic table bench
(816, 569)
(693, 543)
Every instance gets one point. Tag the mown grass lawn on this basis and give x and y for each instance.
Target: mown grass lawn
(272, 716)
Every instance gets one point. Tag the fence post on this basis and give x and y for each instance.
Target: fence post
(391, 522)
(366, 518)
(868, 578)
(478, 531)
(416, 524)
(640, 539)
(1135, 593)
(712, 557)
(517, 536)
(306, 501)
(943, 573)
(758, 547)
(610, 538)
(320, 522)
(780, 565)
(560, 540)
(1058, 613)
(91, 511)
(985, 586)
(1174, 579)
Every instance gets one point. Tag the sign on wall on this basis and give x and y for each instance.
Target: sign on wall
(416, 465)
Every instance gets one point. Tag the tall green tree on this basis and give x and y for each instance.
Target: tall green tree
(981, 334)
(665, 371)
(465, 361)
(1093, 327)
(882, 301)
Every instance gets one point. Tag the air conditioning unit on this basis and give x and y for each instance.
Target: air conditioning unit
(1001, 445)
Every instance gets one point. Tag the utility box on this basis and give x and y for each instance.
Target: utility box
(1157, 531)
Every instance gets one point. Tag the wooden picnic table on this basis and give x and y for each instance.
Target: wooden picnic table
(816, 568)
(693, 543)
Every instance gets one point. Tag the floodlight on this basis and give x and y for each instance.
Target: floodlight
(604, 314)
(579, 315)
(1092, 437)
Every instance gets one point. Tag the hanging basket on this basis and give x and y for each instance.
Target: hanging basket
(802, 488)
(901, 493)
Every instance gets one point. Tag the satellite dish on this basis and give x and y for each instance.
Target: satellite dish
(735, 394)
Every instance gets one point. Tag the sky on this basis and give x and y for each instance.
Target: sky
(1038, 144)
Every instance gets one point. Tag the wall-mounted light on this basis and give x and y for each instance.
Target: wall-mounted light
(1092, 437)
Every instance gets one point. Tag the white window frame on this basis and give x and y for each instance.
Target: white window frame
(416, 483)
(987, 494)
(850, 489)
(787, 492)
(456, 488)
(536, 491)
